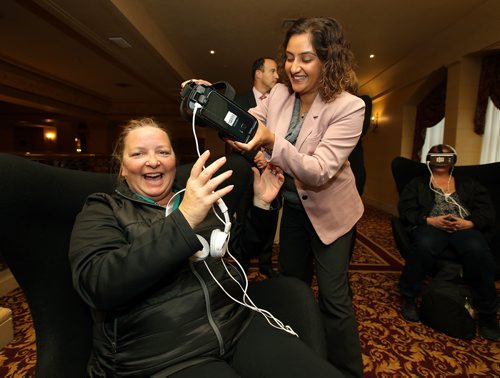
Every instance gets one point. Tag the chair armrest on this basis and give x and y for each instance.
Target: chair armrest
(401, 236)
(292, 302)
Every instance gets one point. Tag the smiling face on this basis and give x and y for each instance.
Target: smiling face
(148, 163)
(303, 66)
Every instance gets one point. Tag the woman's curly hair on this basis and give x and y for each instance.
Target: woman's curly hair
(333, 50)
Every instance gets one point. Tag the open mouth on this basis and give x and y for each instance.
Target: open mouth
(298, 78)
(153, 176)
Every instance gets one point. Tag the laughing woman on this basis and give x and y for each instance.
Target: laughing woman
(156, 311)
(308, 127)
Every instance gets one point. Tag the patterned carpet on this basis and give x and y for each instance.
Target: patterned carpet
(391, 346)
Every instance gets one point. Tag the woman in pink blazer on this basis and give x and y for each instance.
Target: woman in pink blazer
(308, 127)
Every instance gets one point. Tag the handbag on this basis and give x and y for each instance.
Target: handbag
(446, 307)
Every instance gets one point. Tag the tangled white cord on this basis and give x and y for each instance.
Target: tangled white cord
(447, 195)
(247, 301)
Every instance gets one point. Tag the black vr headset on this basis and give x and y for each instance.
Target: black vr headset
(441, 158)
(217, 110)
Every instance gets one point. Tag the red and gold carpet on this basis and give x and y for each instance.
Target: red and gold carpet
(392, 347)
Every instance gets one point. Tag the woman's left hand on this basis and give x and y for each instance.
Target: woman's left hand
(266, 185)
(462, 224)
(259, 160)
(196, 81)
(201, 189)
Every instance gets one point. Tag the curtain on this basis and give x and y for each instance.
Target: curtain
(433, 136)
(489, 88)
(430, 111)
(490, 150)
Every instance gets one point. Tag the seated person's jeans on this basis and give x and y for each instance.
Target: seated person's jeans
(471, 249)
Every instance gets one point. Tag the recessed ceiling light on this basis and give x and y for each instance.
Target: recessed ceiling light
(120, 42)
(212, 52)
(372, 56)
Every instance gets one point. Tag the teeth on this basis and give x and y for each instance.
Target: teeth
(153, 175)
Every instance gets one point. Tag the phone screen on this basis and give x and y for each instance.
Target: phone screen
(229, 118)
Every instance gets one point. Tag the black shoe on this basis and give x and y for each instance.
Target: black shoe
(409, 309)
(269, 272)
(489, 327)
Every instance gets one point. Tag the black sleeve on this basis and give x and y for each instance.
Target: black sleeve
(250, 236)
(415, 202)
(108, 270)
(478, 201)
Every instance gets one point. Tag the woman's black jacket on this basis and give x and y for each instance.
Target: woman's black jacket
(417, 199)
(155, 310)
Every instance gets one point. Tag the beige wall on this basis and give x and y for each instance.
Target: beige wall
(396, 92)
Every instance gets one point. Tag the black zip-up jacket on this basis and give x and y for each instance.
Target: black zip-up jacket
(155, 310)
(417, 199)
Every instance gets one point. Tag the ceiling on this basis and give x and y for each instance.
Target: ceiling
(67, 41)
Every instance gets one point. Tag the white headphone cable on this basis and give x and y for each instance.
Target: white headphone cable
(447, 195)
(267, 315)
(270, 318)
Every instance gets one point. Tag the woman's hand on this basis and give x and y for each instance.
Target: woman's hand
(266, 185)
(200, 192)
(449, 223)
(462, 224)
(197, 81)
(259, 160)
(263, 138)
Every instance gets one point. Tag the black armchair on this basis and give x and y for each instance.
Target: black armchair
(38, 206)
(403, 170)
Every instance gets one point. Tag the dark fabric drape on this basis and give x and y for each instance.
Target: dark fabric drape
(489, 86)
(429, 112)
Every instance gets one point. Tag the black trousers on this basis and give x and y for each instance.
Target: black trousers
(299, 246)
(472, 250)
(265, 352)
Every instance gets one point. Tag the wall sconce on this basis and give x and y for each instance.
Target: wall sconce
(50, 135)
(374, 121)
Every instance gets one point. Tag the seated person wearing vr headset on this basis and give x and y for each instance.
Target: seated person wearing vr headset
(447, 211)
(148, 263)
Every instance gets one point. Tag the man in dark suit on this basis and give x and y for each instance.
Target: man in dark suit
(265, 76)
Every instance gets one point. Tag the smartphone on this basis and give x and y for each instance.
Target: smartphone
(228, 118)
(218, 111)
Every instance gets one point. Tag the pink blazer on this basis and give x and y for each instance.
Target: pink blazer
(318, 161)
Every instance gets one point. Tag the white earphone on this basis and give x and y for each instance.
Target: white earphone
(217, 246)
